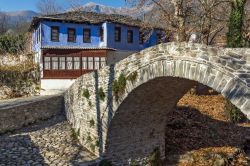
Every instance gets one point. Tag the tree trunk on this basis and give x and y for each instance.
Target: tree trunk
(180, 34)
(234, 35)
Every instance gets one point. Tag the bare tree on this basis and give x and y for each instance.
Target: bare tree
(47, 7)
(3, 23)
(181, 17)
(212, 19)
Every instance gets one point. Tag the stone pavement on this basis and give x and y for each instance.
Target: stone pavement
(45, 143)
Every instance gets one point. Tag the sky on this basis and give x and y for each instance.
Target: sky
(16, 5)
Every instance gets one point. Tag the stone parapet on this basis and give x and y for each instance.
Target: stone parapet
(17, 113)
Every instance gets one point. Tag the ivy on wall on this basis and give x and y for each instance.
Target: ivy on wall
(234, 35)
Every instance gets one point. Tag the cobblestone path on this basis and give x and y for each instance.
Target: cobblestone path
(45, 143)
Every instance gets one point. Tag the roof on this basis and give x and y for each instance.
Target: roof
(87, 17)
(77, 47)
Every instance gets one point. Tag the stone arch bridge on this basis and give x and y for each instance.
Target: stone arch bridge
(119, 112)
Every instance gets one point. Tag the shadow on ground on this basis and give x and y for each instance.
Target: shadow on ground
(19, 150)
(187, 130)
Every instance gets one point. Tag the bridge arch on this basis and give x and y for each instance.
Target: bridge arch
(162, 66)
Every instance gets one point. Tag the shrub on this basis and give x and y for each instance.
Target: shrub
(233, 113)
(105, 163)
(12, 44)
(134, 163)
(101, 94)
(155, 158)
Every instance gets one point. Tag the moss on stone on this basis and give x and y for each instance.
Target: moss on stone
(92, 123)
(86, 94)
(118, 86)
(90, 103)
(89, 138)
(75, 134)
(132, 77)
(101, 94)
(97, 143)
(92, 147)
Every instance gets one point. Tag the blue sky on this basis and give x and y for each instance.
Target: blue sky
(14, 5)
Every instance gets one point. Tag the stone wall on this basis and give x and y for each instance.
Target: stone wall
(98, 121)
(17, 113)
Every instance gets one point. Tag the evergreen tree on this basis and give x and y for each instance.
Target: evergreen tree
(234, 35)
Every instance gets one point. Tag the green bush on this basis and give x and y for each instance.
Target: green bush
(105, 163)
(12, 44)
(233, 113)
(101, 94)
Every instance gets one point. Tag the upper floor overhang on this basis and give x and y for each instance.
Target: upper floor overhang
(77, 48)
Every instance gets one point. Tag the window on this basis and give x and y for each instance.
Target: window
(117, 34)
(54, 63)
(69, 63)
(90, 63)
(76, 63)
(141, 38)
(86, 35)
(47, 63)
(55, 34)
(159, 40)
(62, 63)
(97, 63)
(130, 36)
(84, 63)
(101, 34)
(71, 35)
(103, 62)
